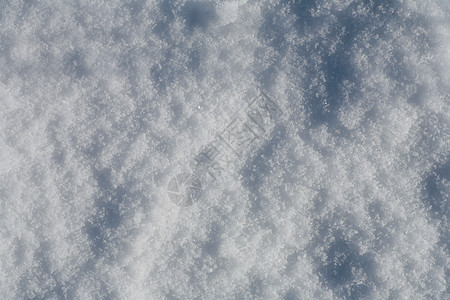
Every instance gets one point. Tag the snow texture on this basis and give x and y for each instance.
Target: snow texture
(345, 193)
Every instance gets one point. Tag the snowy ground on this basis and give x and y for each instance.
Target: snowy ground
(344, 192)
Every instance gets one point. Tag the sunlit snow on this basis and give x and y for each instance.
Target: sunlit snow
(181, 149)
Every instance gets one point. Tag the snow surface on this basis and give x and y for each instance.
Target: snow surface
(102, 103)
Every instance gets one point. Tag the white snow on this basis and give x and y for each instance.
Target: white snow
(345, 194)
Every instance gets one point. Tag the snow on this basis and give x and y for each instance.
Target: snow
(340, 191)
